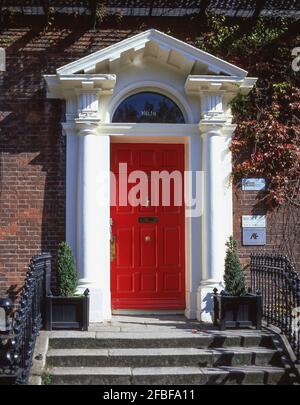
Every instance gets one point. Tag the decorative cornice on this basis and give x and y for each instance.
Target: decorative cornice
(196, 84)
(61, 86)
(148, 129)
(160, 40)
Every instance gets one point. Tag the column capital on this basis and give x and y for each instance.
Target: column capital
(216, 127)
(216, 92)
(212, 103)
(69, 128)
(87, 100)
(81, 92)
(88, 126)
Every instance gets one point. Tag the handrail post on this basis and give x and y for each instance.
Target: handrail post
(6, 305)
(279, 283)
(17, 346)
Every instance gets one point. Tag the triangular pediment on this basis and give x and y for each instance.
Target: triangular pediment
(155, 46)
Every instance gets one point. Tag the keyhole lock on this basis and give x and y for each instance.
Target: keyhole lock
(147, 238)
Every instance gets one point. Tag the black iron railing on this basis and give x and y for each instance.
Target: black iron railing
(17, 343)
(279, 283)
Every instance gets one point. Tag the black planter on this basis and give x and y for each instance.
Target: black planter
(237, 312)
(67, 312)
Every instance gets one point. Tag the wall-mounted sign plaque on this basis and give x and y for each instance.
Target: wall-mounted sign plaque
(253, 221)
(2, 320)
(253, 184)
(254, 236)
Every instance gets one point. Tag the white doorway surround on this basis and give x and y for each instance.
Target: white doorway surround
(93, 87)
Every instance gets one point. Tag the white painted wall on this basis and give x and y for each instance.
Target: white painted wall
(193, 232)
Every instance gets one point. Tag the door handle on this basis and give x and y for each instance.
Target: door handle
(113, 253)
(147, 238)
(112, 239)
(110, 229)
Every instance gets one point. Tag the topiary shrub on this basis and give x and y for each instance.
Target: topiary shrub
(66, 270)
(234, 277)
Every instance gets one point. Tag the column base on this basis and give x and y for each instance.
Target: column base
(191, 305)
(98, 310)
(205, 299)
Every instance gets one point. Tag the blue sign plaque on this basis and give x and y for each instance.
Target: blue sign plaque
(254, 236)
(253, 184)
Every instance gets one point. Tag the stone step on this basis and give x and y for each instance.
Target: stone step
(162, 357)
(102, 340)
(166, 375)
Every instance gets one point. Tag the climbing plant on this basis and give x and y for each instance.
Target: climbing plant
(227, 38)
(266, 142)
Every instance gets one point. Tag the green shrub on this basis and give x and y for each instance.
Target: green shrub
(227, 37)
(234, 275)
(46, 378)
(66, 270)
(221, 34)
(263, 33)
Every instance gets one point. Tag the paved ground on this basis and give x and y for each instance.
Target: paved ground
(162, 324)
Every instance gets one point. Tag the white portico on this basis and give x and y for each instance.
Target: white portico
(202, 86)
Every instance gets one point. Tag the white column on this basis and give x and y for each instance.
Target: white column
(93, 246)
(217, 216)
(71, 184)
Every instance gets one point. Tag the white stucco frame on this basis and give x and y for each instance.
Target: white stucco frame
(149, 61)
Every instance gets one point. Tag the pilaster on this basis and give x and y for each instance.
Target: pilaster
(212, 104)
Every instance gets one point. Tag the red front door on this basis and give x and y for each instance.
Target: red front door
(148, 269)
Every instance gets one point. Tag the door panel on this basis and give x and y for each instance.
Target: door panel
(171, 246)
(148, 244)
(148, 271)
(125, 238)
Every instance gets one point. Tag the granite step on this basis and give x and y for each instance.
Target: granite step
(167, 350)
(257, 375)
(162, 357)
(107, 340)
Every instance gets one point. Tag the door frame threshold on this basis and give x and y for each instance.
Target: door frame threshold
(147, 311)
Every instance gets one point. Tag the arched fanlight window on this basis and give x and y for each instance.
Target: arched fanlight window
(148, 107)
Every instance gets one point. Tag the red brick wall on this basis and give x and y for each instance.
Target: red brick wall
(32, 159)
(282, 230)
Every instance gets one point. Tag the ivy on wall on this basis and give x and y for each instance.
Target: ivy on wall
(266, 142)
